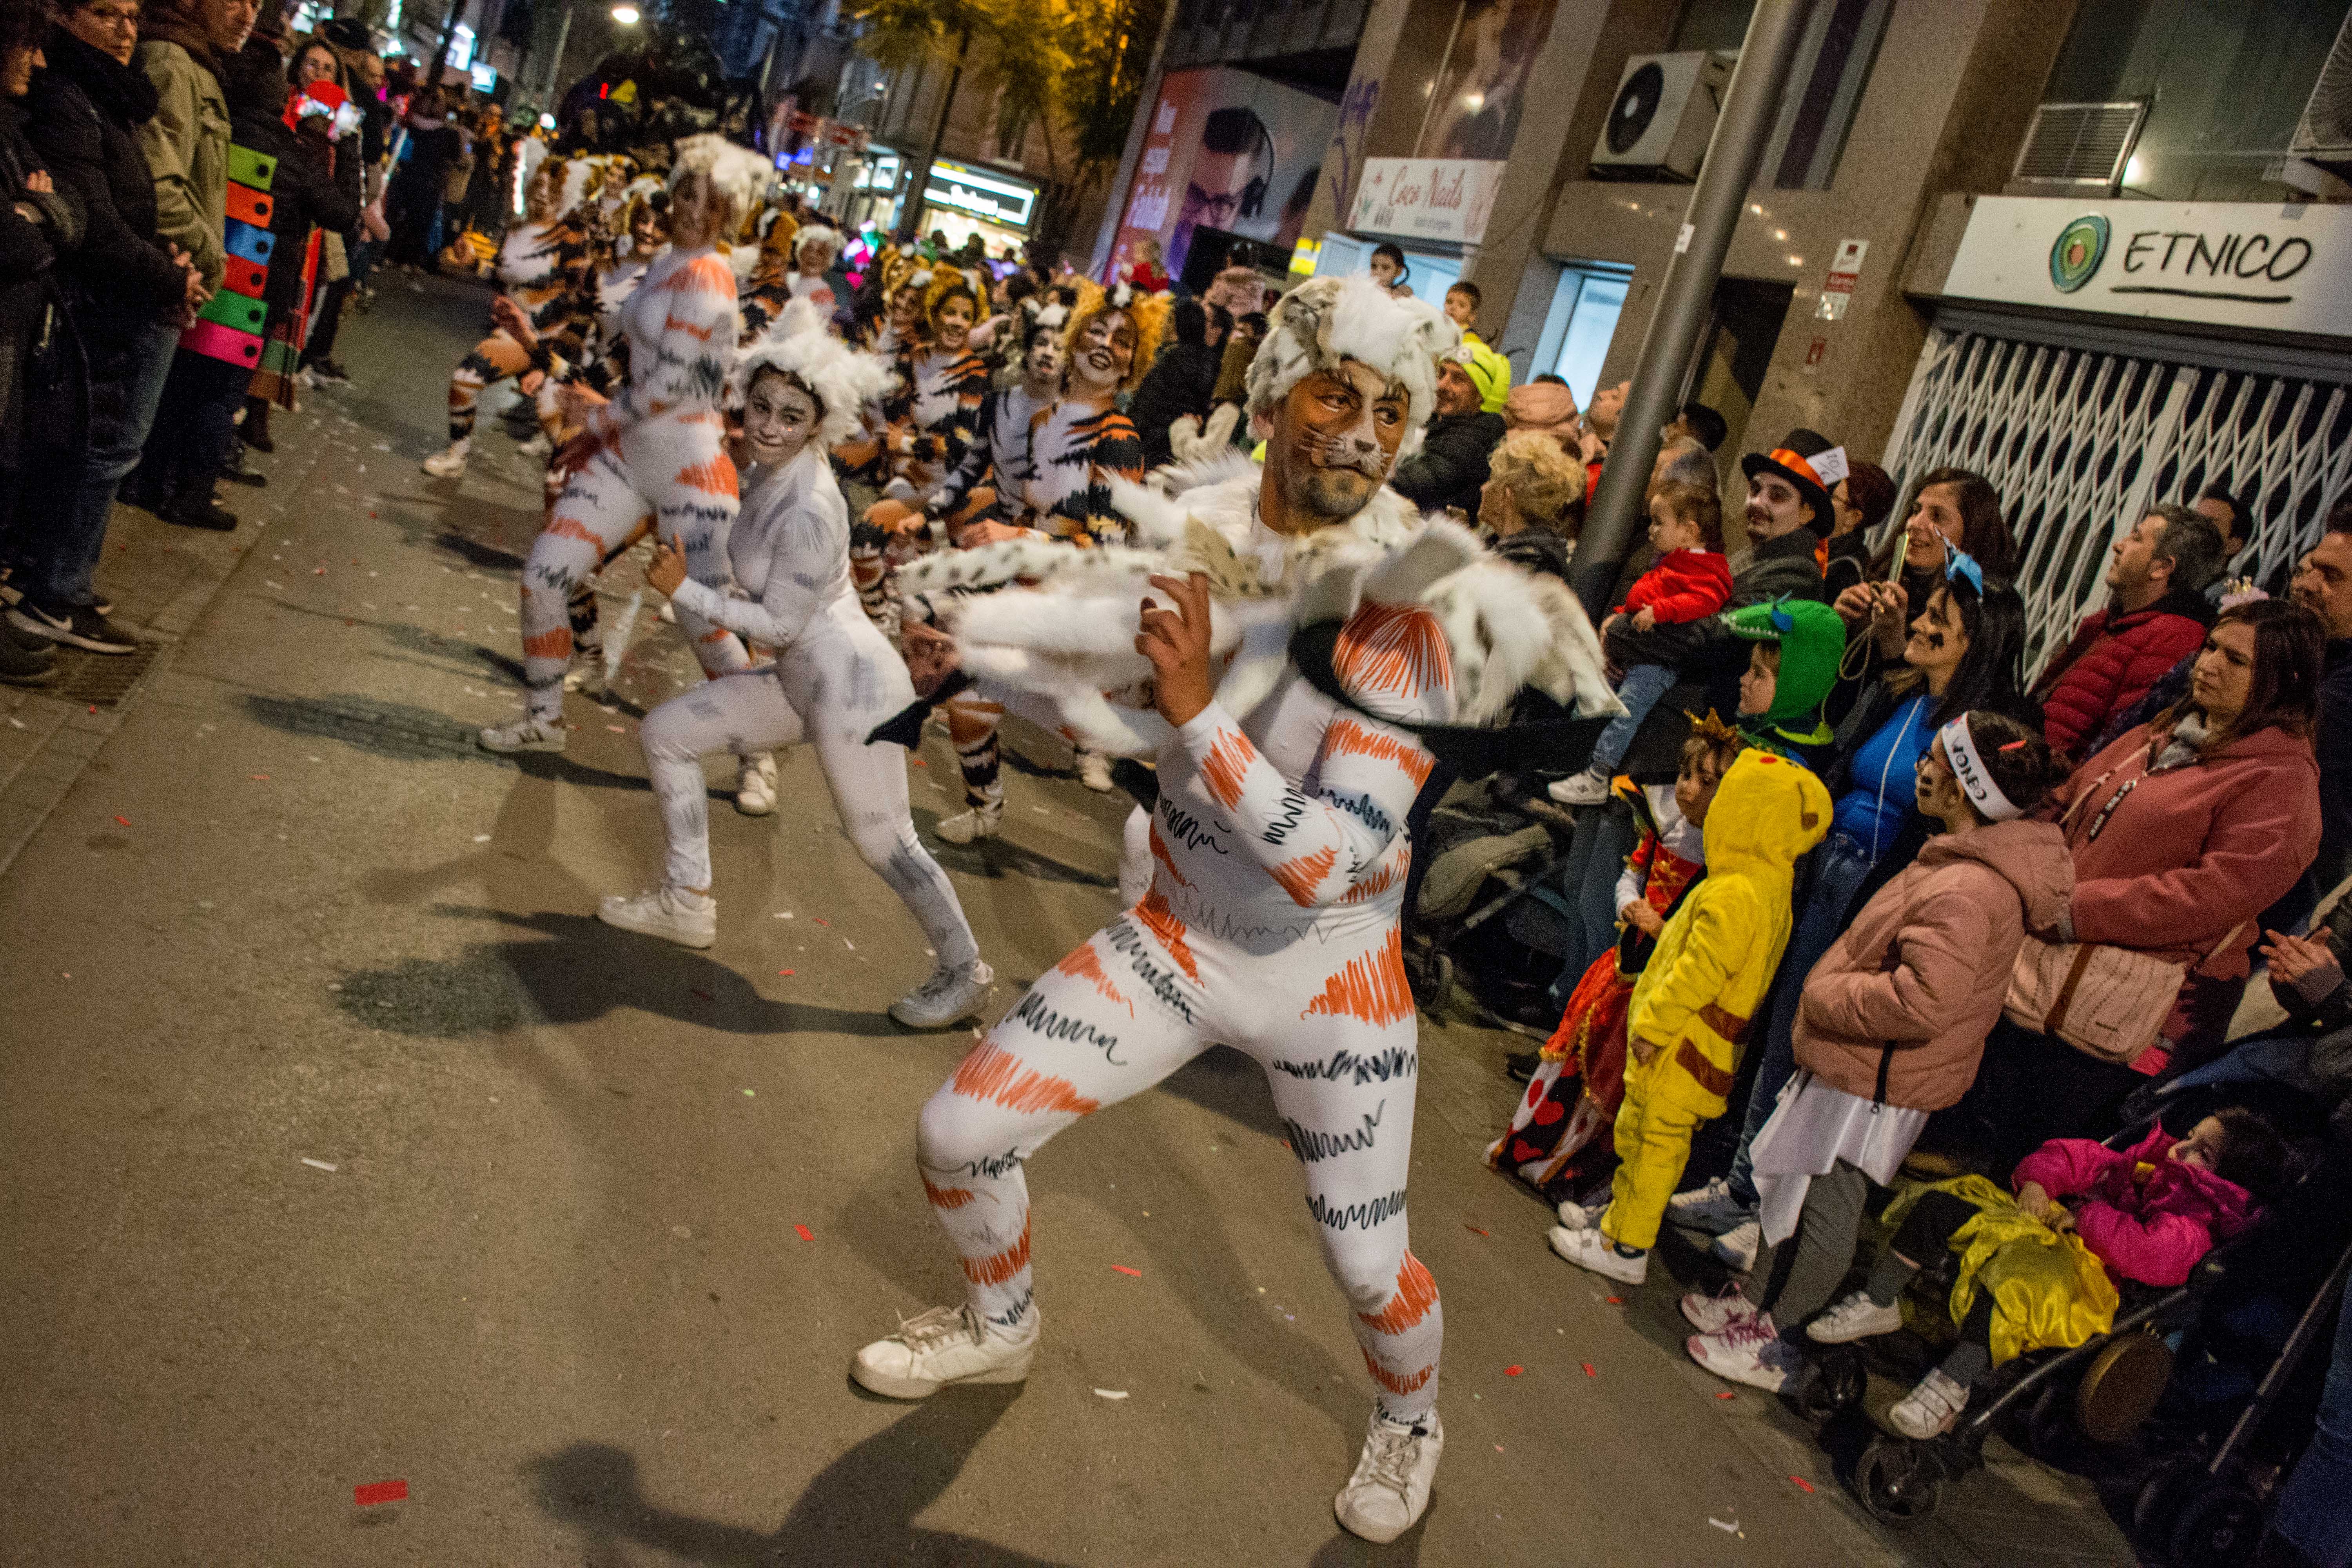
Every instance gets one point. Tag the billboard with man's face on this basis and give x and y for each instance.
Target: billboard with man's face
(1225, 150)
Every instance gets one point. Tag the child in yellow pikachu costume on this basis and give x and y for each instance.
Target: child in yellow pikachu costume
(1691, 1008)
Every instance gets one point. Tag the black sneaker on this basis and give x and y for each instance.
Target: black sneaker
(1520, 1066)
(237, 471)
(331, 372)
(22, 666)
(196, 508)
(82, 626)
(13, 635)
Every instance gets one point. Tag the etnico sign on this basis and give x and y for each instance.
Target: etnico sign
(2223, 264)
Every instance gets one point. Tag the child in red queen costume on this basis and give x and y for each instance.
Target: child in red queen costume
(1659, 625)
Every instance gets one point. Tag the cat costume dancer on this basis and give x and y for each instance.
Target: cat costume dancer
(834, 678)
(1277, 845)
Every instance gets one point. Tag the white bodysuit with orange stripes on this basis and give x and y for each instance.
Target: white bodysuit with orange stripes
(659, 451)
(1279, 858)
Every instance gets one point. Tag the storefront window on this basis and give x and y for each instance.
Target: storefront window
(1580, 324)
(2225, 83)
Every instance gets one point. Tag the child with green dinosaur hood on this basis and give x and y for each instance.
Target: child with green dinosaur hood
(1792, 664)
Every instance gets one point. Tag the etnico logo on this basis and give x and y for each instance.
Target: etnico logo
(2074, 259)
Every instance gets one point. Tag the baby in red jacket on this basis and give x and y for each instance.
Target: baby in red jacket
(1661, 624)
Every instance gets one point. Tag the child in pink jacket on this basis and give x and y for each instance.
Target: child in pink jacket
(2147, 1213)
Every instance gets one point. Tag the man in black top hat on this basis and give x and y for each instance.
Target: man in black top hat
(1788, 516)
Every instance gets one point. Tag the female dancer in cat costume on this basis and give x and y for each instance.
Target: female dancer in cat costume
(1270, 922)
(1077, 446)
(833, 677)
(656, 453)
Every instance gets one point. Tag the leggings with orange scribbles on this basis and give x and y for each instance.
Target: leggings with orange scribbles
(671, 472)
(1143, 996)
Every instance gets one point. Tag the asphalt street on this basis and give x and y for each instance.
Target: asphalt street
(341, 1145)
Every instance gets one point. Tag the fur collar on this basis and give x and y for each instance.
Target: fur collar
(1062, 629)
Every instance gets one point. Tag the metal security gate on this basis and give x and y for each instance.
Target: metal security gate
(2081, 428)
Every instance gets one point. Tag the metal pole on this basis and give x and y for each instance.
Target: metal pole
(910, 216)
(555, 64)
(449, 36)
(1686, 294)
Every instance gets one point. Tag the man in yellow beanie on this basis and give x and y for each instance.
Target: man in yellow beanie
(1463, 430)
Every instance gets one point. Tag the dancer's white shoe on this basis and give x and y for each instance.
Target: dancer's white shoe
(673, 914)
(1389, 1491)
(944, 1345)
(950, 992)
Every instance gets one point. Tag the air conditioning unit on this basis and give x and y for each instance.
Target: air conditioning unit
(1664, 112)
(2324, 136)
(2077, 148)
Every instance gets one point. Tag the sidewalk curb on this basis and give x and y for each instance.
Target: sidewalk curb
(48, 743)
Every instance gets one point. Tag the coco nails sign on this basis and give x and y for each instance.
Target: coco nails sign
(2224, 264)
(1426, 199)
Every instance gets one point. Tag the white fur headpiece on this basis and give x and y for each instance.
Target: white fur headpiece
(740, 175)
(1327, 319)
(842, 379)
(817, 234)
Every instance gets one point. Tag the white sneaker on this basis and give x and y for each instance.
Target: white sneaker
(755, 784)
(690, 920)
(1389, 1491)
(1710, 1208)
(539, 446)
(1930, 1408)
(668, 612)
(1714, 1314)
(1587, 788)
(1750, 1351)
(449, 463)
(979, 822)
(945, 1345)
(525, 733)
(1574, 1215)
(1093, 771)
(1590, 1249)
(950, 992)
(1736, 1248)
(1855, 1318)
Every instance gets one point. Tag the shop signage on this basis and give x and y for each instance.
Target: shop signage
(1447, 199)
(989, 197)
(1837, 288)
(2224, 264)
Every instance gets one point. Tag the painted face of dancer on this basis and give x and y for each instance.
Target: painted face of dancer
(698, 212)
(1335, 437)
(906, 308)
(646, 230)
(955, 318)
(779, 417)
(546, 189)
(1105, 353)
(1042, 362)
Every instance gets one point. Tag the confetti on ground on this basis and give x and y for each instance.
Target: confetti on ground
(318, 1164)
(260, 778)
(784, 972)
(751, 1094)
(821, 920)
(804, 1233)
(124, 820)
(376, 1492)
(1473, 1229)
(1123, 1269)
(1726, 1393)
(616, 729)
(1731, 1527)
(1110, 1394)
(1616, 1300)
(1803, 1483)
(481, 838)
(1513, 1371)
(1589, 1371)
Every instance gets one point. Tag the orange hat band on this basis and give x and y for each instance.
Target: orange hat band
(1788, 459)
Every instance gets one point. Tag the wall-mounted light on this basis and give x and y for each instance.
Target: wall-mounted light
(625, 15)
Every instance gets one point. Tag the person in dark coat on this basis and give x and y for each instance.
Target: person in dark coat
(1179, 383)
(414, 197)
(303, 195)
(128, 289)
(1453, 463)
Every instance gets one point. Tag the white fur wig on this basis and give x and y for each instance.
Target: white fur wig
(1327, 319)
(841, 379)
(1059, 632)
(739, 174)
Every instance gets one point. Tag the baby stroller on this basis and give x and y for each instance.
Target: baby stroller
(2104, 1390)
(1493, 845)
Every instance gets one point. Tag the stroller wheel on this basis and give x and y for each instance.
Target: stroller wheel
(2167, 1489)
(2219, 1528)
(1831, 1383)
(2120, 1390)
(2050, 1426)
(1896, 1482)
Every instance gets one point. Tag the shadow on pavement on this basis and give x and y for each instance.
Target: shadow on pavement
(588, 971)
(860, 1508)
